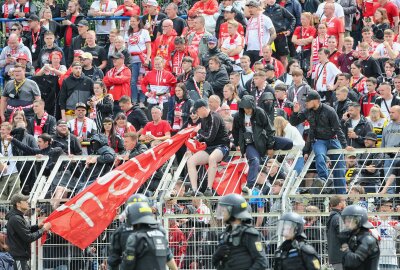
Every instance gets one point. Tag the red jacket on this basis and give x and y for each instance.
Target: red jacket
(158, 81)
(210, 8)
(123, 11)
(178, 243)
(164, 45)
(175, 60)
(118, 82)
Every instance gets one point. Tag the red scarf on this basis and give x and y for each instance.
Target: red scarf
(177, 125)
(6, 10)
(84, 128)
(260, 28)
(198, 89)
(316, 45)
(232, 42)
(38, 129)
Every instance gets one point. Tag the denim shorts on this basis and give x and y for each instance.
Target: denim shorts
(223, 148)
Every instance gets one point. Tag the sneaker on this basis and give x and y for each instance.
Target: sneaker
(189, 193)
(246, 191)
(208, 192)
(317, 185)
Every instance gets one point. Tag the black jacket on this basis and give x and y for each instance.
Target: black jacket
(332, 232)
(371, 68)
(225, 60)
(49, 127)
(105, 160)
(253, 91)
(282, 19)
(367, 159)
(263, 131)
(218, 79)
(213, 131)
(20, 235)
(74, 90)
(395, 101)
(45, 51)
(97, 75)
(39, 44)
(192, 91)
(77, 43)
(341, 107)
(185, 109)
(362, 128)
(139, 149)
(324, 124)
(74, 26)
(136, 117)
(62, 141)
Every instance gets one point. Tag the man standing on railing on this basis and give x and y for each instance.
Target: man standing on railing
(103, 8)
(325, 134)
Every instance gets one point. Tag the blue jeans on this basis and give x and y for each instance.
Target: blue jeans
(298, 167)
(137, 94)
(320, 148)
(386, 165)
(253, 160)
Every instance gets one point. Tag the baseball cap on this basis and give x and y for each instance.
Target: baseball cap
(76, 64)
(22, 56)
(229, 9)
(16, 198)
(80, 105)
(61, 122)
(78, 53)
(152, 3)
(117, 55)
(253, 3)
(199, 103)
(212, 39)
(87, 55)
(312, 95)
(34, 17)
(83, 23)
(371, 136)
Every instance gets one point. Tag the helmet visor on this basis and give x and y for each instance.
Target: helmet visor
(349, 223)
(287, 229)
(223, 212)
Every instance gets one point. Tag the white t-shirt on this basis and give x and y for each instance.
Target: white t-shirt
(331, 72)
(136, 42)
(354, 123)
(252, 29)
(90, 128)
(382, 50)
(247, 123)
(385, 109)
(245, 77)
(339, 13)
(104, 27)
(238, 41)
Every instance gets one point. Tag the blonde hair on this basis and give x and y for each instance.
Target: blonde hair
(231, 87)
(343, 89)
(309, 16)
(376, 113)
(279, 125)
(18, 113)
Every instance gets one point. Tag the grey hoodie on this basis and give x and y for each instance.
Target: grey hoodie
(7, 50)
(391, 135)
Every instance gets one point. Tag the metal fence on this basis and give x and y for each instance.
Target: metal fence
(190, 222)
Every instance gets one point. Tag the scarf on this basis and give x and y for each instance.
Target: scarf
(316, 45)
(260, 28)
(83, 129)
(198, 89)
(232, 42)
(6, 8)
(177, 125)
(38, 129)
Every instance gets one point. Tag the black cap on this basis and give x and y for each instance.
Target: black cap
(371, 136)
(80, 105)
(199, 103)
(117, 55)
(269, 67)
(61, 122)
(83, 23)
(313, 95)
(16, 198)
(34, 17)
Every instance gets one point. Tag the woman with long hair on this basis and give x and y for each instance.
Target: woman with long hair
(54, 68)
(378, 121)
(284, 129)
(231, 98)
(320, 41)
(303, 37)
(379, 23)
(139, 47)
(117, 45)
(181, 112)
(46, 20)
(122, 125)
(17, 117)
(114, 140)
(358, 81)
(101, 104)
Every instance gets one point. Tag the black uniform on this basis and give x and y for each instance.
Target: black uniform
(117, 245)
(246, 251)
(363, 252)
(147, 248)
(296, 255)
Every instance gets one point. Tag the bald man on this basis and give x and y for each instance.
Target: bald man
(164, 44)
(334, 24)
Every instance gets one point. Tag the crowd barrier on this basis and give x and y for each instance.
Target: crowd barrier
(190, 221)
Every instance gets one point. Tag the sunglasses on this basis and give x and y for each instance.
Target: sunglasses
(13, 29)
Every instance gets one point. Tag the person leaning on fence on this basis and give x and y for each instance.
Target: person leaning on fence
(68, 142)
(294, 252)
(239, 246)
(214, 134)
(20, 234)
(253, 135)
(325, 134)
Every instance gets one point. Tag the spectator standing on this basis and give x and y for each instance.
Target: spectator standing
(100, 104)
(247, 73)
(303, 37)
(198, 87)
(152, 21)
(122, 125)
(217, 76)
(349, 10)
(342, 102)
(128, 9)
(77, 88)
(35, 39)
(173, 13)
(370, 66)
(89, 69)
(347, 57)
(20, 234)
(386, 99)
(269, 60)
(378, 121)
(325, 133)
(18, 93)
(134, 113)
(164, 44)
(42, 122)
(233, 44)
(392, 13)
(389, 74)
(117, 45)
(179, 60)
(181, 111)
(68, 142)
(182, 7)
(320, 41)
(23, 10)
(77, 42)
(98, 52)
(231, 98)
(48, 47)
(335, 26)
(228, 14)
(132, 145)
(114, 140)
(206, 9)
(389, 49)
(335, 255)
(299, 89)
(103, 8)
(355, 126)
(198, 38)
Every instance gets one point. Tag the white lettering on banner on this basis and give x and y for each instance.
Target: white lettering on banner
(76, 207)
(134, 160)
(116, 176)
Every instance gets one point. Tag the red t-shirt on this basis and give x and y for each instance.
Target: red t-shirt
(335, 27)
(157, 130)
(391, 9)
(68, 34)
(334, 58)
(305, 32)
(223, 31)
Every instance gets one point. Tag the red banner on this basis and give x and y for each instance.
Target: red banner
(230, 177)
(83, 218)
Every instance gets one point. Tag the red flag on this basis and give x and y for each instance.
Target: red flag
(230, 177)
(195, 146)
(83, 218)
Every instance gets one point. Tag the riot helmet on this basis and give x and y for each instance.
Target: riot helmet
(233, 206)
(137, 197)
(354, 217)
(291, 225)
(140, 213)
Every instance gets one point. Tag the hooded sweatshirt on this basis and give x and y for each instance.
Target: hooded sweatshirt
(14, 53)
(391, 135)
(74, 90)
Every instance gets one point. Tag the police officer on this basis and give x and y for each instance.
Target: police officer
(147, 246)
(361, 251)
(121, 234)
(294, 253)
(240, 246)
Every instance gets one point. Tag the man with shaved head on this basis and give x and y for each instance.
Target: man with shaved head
(334, 24)
(164, 44)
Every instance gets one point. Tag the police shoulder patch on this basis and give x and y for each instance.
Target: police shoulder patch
(316, 264)
(259, 246)
(130, 257)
